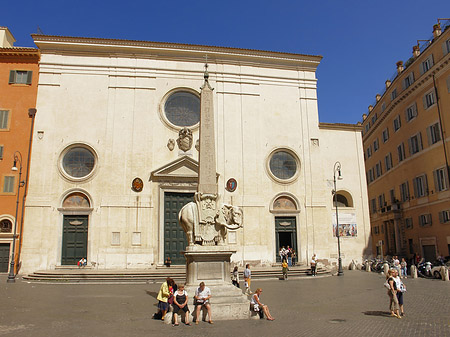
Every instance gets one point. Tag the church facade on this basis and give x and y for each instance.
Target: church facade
(115, 155)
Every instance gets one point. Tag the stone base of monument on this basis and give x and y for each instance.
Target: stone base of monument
(211, 264)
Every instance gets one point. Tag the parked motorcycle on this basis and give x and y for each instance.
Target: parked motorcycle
(424, 270)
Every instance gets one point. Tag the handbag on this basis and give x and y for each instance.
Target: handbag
(170, 299)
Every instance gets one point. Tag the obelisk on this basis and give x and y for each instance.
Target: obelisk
(206, 196)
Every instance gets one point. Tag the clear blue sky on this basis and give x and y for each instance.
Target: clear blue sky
(360, 40)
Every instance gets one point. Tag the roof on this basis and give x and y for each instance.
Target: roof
(51, 41)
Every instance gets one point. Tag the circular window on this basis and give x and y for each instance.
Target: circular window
(78, 162)
(182, 108)
(283, 165)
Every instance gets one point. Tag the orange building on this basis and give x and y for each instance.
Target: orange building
(407, 154)
(18, 90)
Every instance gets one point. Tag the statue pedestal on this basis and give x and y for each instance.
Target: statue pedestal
(211, 264)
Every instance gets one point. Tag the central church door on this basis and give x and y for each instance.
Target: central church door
(174, 237)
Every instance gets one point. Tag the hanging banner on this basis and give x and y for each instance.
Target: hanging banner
(347, 224)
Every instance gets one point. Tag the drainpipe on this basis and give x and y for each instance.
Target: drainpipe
(442, 130)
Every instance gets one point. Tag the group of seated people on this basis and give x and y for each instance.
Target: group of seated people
(176, 296)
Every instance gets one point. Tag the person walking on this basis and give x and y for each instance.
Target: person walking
(180, 300)
(401, 289)
(392, 293)
(235, 277)
(313, 265)
(247, 279)
(202, 296)
(285, 266)
(256, 305)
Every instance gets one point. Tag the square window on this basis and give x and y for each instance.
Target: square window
(397, 123)
(404, 191)
(415, 143)
(440, 180)
(420, 186)
(388, 161)
(385, 135)
(434, 134)
(8, 184)
(408, 80)
(4, 118)
(428, 100)
(393, 94)
(376, 145)
(401, 152)
(425, 220)
(411, 112)
(444, 216)
(20, 77)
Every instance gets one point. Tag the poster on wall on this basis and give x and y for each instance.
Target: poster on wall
(347, 225)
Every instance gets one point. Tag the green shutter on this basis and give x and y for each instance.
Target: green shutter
(12, 76)
(29, 76)
(4, 114)
(1, 152)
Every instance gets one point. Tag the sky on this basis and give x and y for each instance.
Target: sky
(360, 40)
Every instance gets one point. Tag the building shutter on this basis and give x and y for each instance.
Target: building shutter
(425, 183)
(430, 140)
(12, 76)
(419, 140)
(415, 187)
(424, 99)
(441, 217)
(436, 181)
(410, 146)
(1, 152)
(29, 77)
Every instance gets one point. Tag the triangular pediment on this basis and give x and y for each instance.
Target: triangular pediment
(183, 169)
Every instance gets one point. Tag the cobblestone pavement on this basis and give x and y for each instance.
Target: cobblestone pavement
(353, 305)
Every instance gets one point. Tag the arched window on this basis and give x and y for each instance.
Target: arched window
(5, 226)
(284, 203)
(76, 200)
(343, 199)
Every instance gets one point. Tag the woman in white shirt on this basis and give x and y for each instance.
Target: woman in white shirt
(257, 305)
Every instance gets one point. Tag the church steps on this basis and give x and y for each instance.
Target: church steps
(154, 275)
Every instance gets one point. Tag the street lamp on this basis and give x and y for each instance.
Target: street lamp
(337, 168)
(17, 159)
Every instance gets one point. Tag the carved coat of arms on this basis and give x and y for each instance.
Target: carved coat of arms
(184, 140)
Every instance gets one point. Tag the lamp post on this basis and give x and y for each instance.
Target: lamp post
(337, 168)
(17, 158)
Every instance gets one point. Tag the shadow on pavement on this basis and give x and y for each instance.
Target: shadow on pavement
(377, 313)
(152, 293)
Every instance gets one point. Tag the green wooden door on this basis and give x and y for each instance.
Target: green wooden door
(174, 237)
(285, 234)
(74, 243)
(4, 257)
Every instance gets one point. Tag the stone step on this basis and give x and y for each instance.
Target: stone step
(154, 275)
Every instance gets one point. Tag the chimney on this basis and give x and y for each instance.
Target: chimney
(416, 51)
(6, 38)
(437, 31)
(388, 83)
(378, 97)
(400, 67)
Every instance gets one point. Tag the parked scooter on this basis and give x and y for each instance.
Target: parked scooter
(424, 269)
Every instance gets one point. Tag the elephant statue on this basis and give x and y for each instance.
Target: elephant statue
(227, 217)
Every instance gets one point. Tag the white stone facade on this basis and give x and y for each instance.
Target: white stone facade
(108, 95)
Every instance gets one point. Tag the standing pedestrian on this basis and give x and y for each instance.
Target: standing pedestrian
(235, 277)
(392, 293)
(404, 269)
(163, 297)
(400, 290)
(396, 263)
(313, 265)
(289, 256)
(294, 256)
(284, 265)
(247, 279)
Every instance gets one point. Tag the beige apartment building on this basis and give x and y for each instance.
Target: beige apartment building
(406, 150)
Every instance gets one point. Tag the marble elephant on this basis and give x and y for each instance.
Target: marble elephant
(227, 217)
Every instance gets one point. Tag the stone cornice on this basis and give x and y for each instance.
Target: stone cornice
(20, 52)
(132, 47)
(341, 126)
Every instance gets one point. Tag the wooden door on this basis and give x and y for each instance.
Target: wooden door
(75, 237)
